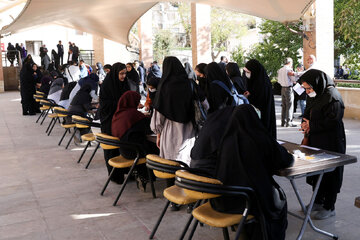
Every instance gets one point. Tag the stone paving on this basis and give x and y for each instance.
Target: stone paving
(45, 194)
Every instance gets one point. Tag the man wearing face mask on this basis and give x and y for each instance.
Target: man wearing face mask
(286, 80)
(323, 128)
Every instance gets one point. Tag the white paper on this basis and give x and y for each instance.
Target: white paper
(312, 148)
(280, 142)
(298, 89)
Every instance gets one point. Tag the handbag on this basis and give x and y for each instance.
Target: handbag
(200, 113)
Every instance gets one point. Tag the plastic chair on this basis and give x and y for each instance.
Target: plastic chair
(110, 142)
(164, 168)
(202, 188)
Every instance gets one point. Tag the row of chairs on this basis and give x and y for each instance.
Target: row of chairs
(189, 188)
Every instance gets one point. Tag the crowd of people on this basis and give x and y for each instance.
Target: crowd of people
(235, 142)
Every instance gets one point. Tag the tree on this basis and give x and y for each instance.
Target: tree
(238, 56)
(224, 24)
(163, 43)
(280, 41)
(185, 20)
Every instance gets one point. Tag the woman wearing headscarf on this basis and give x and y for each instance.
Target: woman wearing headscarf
(173, 111)
(203, 82)
(261, 95)
(152, 84)
(190, 72)
(130, 125)
(28, 81)
(252, 163)
(133, 77)
(324, 128)
(45, 83)
(92, 80)
(55, 59)
(154, 71)
(113, 87)
(233, 71)
(218, 97)
(56, 89)
(65, 95)
(100, 72)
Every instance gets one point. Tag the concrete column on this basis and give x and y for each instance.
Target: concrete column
(309, 43)
(145, 36)
(200, 33)
(325, 31)
(2, 88)
(98, 46)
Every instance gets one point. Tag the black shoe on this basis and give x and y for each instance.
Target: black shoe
(174, 207)
(25, 113)
(141, 184)
(32, 113)
(189, 208)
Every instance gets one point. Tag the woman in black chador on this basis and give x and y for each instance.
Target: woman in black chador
(324, 128)
(233, 71)
(250, 156)
(113, 87)
(132, 77)
(29, 76)
(261, 95)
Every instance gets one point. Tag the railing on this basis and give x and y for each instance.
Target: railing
(11, 58)
(87, 56)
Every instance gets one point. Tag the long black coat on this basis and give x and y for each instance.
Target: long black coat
(28, 84)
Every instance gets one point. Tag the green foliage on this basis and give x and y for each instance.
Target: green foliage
(164, 42)
(185, 20)
(224, 24)
(279, 43)
(349, 85)
(238, 56)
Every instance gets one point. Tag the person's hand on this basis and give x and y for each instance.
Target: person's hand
(158, 140)
(246, 94)
(305, 126)
(147, 108)
(140, 106)
(38, 85)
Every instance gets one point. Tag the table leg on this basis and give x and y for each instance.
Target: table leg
(307, 212)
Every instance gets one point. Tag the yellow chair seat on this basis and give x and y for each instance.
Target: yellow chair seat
(88, 137)
(71, 125)
(104, 135)
(163, 175)
(81, 126)
(157, 158)
(76, 117)
(40, 93)
(61, 115)
(53, 115)
(177, 195)
(121, 162)
(206, 214)
(108, 147)
(43, 108)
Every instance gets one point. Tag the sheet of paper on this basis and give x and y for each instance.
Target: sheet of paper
(312, 148)
(321, 157)
(280, 142)
(298, 89)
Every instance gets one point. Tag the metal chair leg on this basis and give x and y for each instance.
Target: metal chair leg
(159, 220)
(151, 183)
(42, 113)
(226, 233)
(45, 115)
(72, 136)
(193, 229)
(52, 127)
(83, 152)
(50, 123)
(92, 156)
(189, 221)
(125, 182)
(66, 130)
(107, 181)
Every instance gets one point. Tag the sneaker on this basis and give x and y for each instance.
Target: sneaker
(324, 214)
(316, 207)
(291, 125)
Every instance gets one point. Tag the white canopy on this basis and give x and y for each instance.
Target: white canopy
(113, 19)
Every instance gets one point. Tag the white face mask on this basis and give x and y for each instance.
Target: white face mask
(248, 75)
(312, 94)
(152, 89)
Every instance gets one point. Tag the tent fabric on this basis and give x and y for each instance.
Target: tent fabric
(113, 19)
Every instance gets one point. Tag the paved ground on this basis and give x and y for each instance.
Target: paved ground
(45, 194)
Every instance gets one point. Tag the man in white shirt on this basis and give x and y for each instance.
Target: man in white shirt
(286, 80)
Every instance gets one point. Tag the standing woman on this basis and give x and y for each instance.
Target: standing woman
(173, 111)
(233, 71)
(261, 95)
(324, 128)
(113, 87)
(133, 77)
(28, 82)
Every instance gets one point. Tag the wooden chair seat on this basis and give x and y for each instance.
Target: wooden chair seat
(121, 162)
(157, 158)
(71, 125)
(177, 195)
(103, 135)
(43, 108)
(53, 115)
(88, 137)
(108, 147)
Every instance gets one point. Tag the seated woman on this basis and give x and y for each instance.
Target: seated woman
(92, 80)
(252, 163)
(130, 125)
(56, 89)
(45, 83)
(65, 95)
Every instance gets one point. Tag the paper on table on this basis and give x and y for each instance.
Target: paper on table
(312, 148)
(298, 89)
